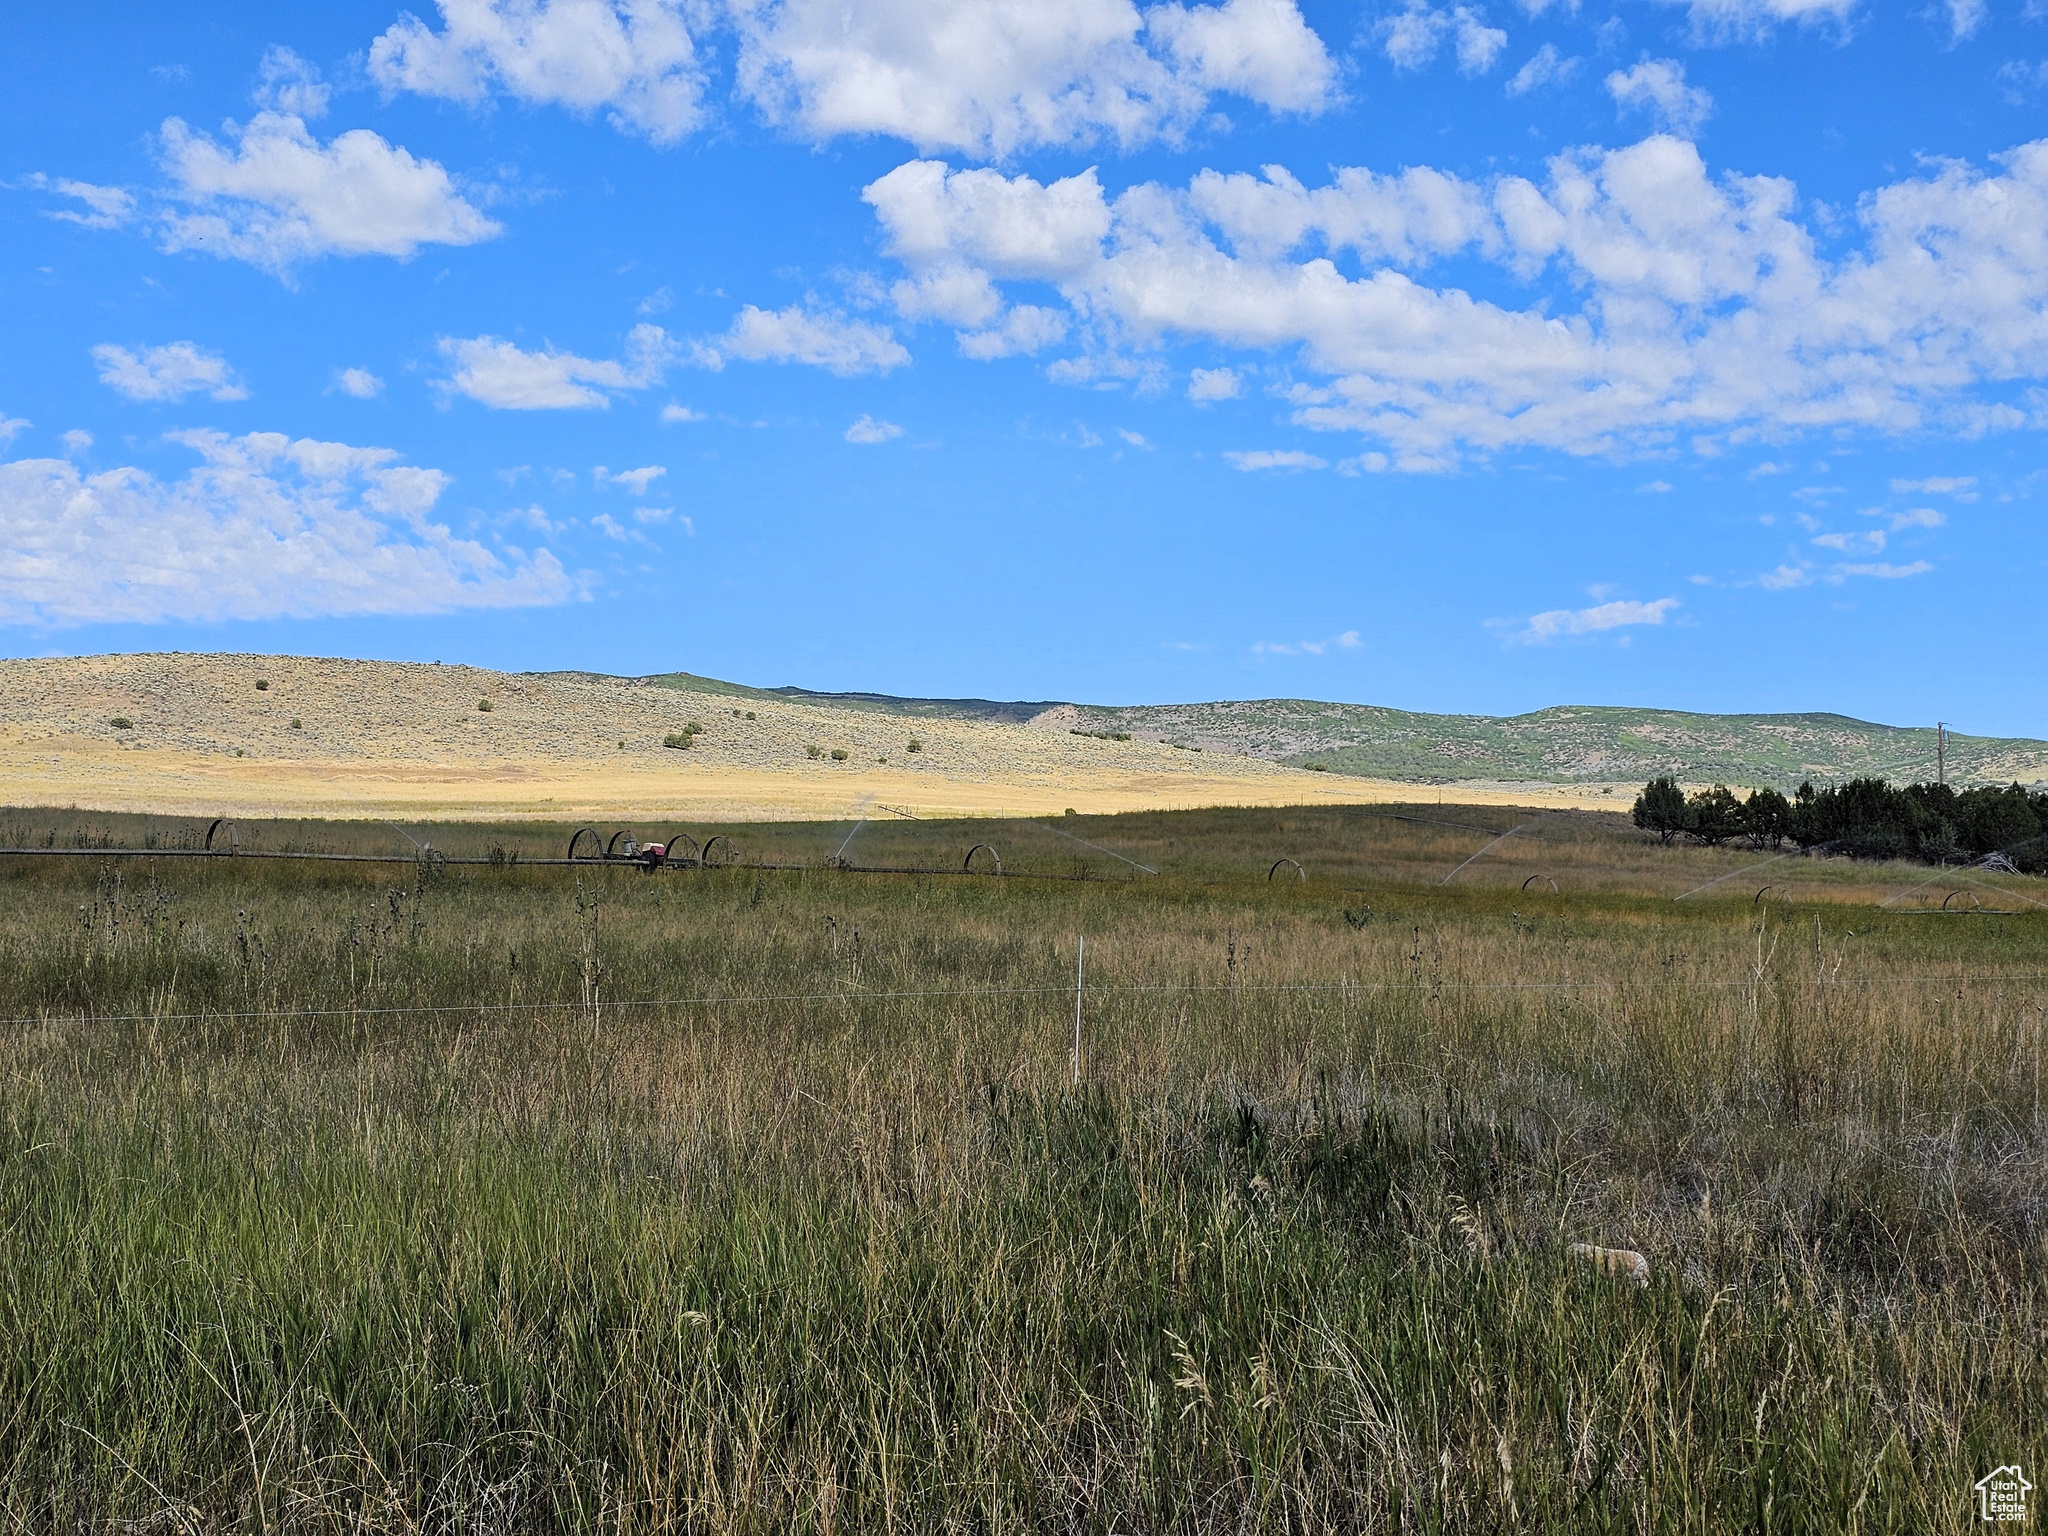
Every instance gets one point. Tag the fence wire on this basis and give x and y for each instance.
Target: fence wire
(1432, 987)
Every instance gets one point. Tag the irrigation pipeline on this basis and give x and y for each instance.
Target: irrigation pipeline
(437, 858)
(426, 853)
(1060, 990)
(837, 862)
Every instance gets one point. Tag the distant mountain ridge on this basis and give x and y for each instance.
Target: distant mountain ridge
(1565, 744)
(1014, 712)
(1577, 743)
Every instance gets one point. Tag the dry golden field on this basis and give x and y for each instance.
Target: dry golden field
(366, 738)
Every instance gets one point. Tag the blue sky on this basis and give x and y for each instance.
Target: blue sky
(1461, 357)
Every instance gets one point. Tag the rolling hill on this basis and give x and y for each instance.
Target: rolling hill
(304, 736)
(1566, 744)
(1572, 744)
(285, 735)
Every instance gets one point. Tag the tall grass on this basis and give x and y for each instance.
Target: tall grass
(823, 1238)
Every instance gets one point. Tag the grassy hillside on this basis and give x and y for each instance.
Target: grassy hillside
(287, 735)
(1574, 743)
(1569, 744)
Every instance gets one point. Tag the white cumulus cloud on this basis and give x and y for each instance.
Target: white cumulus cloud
(998, 77)
(1271, 458)
(265, 527)
(1738, 19)
(1478, 44)
(105, 207)
(868, 429)
(797, 335)
(635, 481)
(958, 231)
(1591, 621)
(1546, 66)
(955, 294)
(1870, 541)
(1259, 49)
(1404, 218)
(167, 373)
(1348, 641)
(936, 218)
(275, 196)
(360, 382)
(1882, 571)
(635, 59)
(1662, 303)
(499, 374)
(1657, 87)
(2022, 78)
(1411, 37)
(287, 83)
(1208, 385)
(987, 78)
(1026, 329)
(1917, 517)
(1962, 487)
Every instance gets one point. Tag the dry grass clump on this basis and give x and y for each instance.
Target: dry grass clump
(1326, 1238)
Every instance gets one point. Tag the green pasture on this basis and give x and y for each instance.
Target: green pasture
(505, 1197)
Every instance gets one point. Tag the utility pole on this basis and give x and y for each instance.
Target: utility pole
(1941, 750)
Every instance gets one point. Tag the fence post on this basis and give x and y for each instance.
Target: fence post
(1080, 962)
